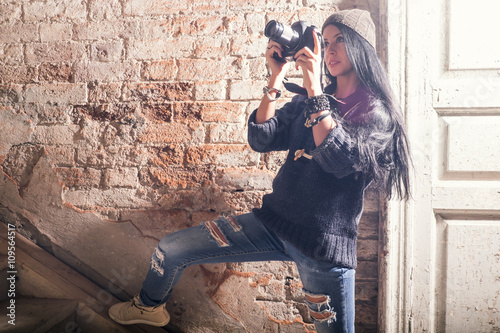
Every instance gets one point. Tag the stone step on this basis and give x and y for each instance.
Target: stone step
(41, 277)
(37, 315)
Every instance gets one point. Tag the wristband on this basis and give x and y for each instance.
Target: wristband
(316, 104)
(311, 123)
(267, 90)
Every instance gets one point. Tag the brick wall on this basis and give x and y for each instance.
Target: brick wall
(139, 108)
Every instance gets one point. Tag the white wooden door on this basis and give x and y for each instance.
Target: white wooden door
(442, 264)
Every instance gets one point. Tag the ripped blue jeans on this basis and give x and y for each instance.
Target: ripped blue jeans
(329, 290)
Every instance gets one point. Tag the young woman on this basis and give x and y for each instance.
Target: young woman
(339, 140)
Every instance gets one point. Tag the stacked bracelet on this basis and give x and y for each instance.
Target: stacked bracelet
(268, 90)
(311, 123)
(316, 104)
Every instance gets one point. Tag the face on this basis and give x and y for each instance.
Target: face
(336, 58)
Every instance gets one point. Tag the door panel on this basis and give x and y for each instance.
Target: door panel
(452, 225)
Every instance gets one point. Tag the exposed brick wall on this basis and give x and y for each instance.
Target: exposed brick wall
(141, 108)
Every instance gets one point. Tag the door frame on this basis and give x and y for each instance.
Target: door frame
(395, 246)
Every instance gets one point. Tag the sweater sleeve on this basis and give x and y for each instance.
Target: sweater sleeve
(336, 154)
(273, 135)
(347, 148)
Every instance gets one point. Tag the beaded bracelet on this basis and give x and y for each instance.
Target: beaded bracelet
(316, 104)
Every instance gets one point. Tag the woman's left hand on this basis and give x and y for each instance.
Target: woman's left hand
(310, 62)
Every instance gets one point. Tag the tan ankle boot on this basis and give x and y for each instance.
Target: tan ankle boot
(132, 312)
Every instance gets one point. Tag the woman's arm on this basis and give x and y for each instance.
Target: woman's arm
(311, 62)
(267, 107)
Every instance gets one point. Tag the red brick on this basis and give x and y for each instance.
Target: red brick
(110, 112)
(86, 71)
(55, 72)
(18, 74)
(174, 91)
(15, 33)
(367, 290)
(53, 32)
(246, 4)
(367, 269)
(221, 155)
(50, 114)
(79, 177)
(107, 51)
(212, 47)
(10, 12)
(165, 133)
(62, 10)
(247, 179)
(161, 70)
(235, 24)
(158, 112)
(58, 92)
(105, 10)
(367, 249)
(206, 69)
(104, 92)
(246, 90)
(211, 90)
(54, 52)
(209, 6)
(227, 133)
(251, 46)
(227, 111)
(186, 112)
(110, 157)
(10, 93)
(161, 48)
(12, 55)
(105, 30)
(175, 177)
(239, 202)
(121, 177)
(154, 7)
(61, 156)
(165, 156)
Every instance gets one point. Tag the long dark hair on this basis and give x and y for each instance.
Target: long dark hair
(384, 154)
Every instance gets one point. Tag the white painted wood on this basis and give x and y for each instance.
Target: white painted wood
(446, 273)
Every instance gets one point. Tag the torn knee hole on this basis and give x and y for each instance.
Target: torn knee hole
(216, 233)
(233, 223)
(157, 261)
(318, 299)
(319, 306)
(323, 315)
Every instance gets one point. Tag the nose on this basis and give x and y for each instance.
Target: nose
(330, 48)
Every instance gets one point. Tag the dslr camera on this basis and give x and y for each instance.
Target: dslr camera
(292, 38)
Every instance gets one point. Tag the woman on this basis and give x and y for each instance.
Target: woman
(337, 147)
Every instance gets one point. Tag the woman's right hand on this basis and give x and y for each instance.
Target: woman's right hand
(278, 68)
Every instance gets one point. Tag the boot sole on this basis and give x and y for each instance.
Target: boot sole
(139, 321)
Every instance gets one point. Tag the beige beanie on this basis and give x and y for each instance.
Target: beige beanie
(356, 19)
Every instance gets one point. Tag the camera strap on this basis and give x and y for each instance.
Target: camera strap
(295, 88)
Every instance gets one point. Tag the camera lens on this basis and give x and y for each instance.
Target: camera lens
(282, 34)
(273, 29)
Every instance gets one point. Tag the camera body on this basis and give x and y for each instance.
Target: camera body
(293, 38)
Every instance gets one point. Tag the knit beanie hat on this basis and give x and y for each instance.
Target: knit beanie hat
(356, 19)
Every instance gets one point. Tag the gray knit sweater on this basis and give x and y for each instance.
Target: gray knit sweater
(316, 203)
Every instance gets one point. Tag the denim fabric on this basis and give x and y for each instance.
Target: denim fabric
(244, 238)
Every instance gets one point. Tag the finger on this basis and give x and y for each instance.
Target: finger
(272, 44)
(316, 42)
